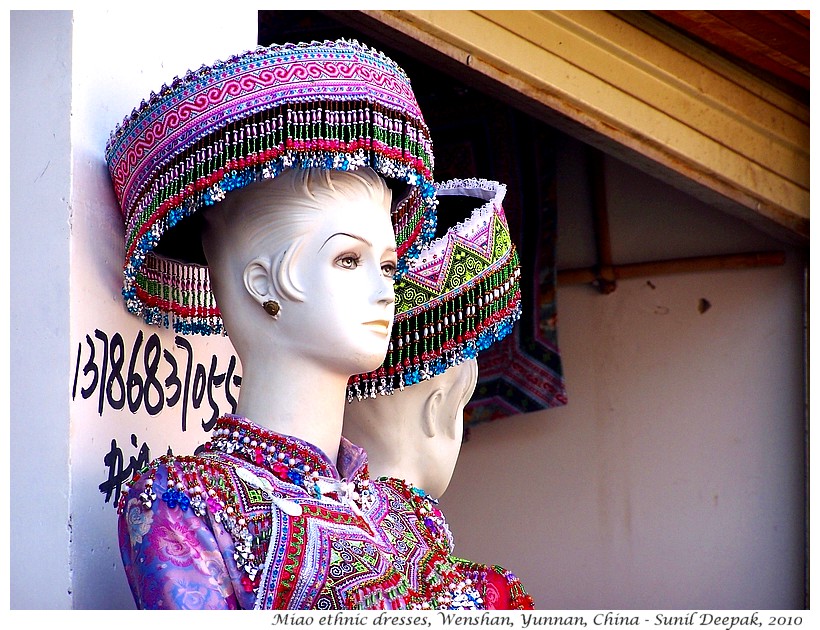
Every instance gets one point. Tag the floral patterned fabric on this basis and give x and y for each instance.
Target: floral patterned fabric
(173, 559)
(256, 520)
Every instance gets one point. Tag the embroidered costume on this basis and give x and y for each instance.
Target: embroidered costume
(422, 539)
(424, 543)
(257, 520)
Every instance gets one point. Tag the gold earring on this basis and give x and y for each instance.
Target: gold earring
(271, 308)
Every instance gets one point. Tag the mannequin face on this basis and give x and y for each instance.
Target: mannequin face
(345, 270)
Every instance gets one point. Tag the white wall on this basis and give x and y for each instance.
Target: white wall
(39, 325)
(95, 67)
(113, 70)
(674, 478)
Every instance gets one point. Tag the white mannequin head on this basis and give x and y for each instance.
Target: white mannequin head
(415, 434)
(321, 245)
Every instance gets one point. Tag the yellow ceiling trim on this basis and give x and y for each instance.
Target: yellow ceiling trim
(643, 87)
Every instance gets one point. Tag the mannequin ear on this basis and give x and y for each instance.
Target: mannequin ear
(432, 408)
(258, 281)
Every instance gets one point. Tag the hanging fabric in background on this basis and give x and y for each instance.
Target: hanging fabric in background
(476, 135)
(523, 373)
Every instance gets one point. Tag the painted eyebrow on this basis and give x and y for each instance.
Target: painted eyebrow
(356, 238)
(353, 236)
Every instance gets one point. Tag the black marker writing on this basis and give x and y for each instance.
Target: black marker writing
(118, 474)
(150, 378)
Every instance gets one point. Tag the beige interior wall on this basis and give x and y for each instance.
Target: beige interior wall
(674, 477)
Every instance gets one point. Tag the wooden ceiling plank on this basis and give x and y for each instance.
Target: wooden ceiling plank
(750, 37)
(764, 28)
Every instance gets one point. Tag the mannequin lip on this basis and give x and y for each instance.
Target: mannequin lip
(381, 326)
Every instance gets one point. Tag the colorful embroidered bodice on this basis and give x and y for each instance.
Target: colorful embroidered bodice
(257, 520)
(419, 532)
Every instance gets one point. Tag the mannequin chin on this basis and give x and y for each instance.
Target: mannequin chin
(415, 434)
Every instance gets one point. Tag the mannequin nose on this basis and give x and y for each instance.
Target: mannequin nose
(385, 290)
(387, 295)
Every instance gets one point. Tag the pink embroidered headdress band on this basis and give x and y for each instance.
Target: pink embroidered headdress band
(335, 105)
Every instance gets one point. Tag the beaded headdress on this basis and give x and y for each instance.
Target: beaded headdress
(461, 295)
(333, 105)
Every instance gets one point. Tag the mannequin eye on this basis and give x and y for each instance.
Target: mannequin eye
(389, 269)
(348, 261)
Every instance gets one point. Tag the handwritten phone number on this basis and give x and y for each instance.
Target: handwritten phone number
(150, 377)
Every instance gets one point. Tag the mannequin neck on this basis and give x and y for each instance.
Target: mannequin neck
(296, 398)
(415, 434)
(395, 447)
